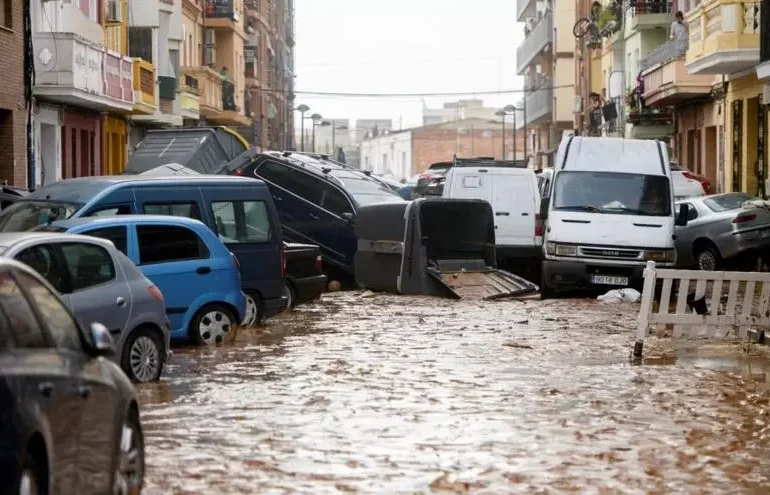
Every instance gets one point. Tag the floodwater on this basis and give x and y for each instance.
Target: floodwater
(395, 394)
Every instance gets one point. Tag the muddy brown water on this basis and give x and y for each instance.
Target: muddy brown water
(394, 394)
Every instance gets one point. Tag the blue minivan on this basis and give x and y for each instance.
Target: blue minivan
(239, 210)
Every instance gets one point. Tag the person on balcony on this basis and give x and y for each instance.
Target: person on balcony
(678, 28)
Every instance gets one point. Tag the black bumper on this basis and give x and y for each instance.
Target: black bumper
(576, 275)
(529, 252)
(308, 289)
(274, 307)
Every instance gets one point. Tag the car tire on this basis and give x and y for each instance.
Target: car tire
(212, 324)
(707, 258)
(256, 306)
(143, 356)
(290, 293)
(32, 479)
(129, 472)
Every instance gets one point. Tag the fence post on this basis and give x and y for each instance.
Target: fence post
(643, 322)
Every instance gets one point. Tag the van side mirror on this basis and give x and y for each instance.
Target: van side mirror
(544, 203)
(348, 217)
(682, 214)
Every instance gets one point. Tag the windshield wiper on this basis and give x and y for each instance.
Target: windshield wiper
(633, 211)
(588, 208)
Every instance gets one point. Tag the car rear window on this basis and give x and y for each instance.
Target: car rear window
(675, 167)
(725, 202)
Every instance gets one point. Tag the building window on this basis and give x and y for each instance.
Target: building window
(140, 43)
(6, 14)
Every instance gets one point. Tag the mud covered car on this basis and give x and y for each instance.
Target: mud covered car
(305, 280)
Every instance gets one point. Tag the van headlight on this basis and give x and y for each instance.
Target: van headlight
(557, 249)
(660, 255)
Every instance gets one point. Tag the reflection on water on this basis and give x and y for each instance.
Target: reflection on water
(415, 395)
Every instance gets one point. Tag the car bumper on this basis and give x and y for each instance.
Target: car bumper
(518, 252)
(745, 242)
(578, 274)
(309, 288)
(274, 306)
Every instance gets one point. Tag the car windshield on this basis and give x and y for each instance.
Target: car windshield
(725, 202)
(613, 193)
(366, 192)
(28, 214)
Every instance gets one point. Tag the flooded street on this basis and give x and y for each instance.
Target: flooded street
(394, 394)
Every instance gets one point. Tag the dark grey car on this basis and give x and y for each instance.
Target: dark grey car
(100, 284)
(720, 227)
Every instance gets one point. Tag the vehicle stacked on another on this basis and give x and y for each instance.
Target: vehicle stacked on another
(238, 210)
(431, 182)
(305, 280)
(70, 417)
(99, 284)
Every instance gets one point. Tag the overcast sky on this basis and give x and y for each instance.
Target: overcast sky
(403, 46)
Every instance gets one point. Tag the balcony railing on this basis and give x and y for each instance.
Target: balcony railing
(667, 51)
(220, 9)
(539, 104)
(209, 89)
(537, 39)
(190, 84)
(650, 118)
(642, 7)
(144, 81)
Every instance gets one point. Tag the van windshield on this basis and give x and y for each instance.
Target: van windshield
(613, 193)
(28, 214)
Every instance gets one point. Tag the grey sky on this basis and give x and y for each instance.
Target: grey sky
(403, 46)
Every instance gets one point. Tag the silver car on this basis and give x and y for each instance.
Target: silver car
(100, 284)
(720, 228)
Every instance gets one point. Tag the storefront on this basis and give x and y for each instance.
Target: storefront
(696, 140)
(81, 144)
(115, 138)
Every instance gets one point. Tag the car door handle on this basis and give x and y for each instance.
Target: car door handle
(502, 213)
(277, 198)
(203, 270)
(525, 214)
(84, 391)
(314, 216)
(45, 388)
(120, 302)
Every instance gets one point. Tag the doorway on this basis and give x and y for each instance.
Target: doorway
(48, 154)
(711, 152)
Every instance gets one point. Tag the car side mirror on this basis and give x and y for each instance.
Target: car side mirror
(544, 203)
(682, 214)
(348, 217)
(101, 340)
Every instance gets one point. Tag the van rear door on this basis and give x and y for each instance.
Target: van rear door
(469, 183)
(513, 203)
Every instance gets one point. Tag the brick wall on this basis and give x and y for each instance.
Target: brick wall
(13, 115)
(431, 145)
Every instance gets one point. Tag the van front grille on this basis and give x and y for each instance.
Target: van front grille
(611, 253)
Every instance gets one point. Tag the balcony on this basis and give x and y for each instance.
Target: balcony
(539, 105)
(647, 14)
(222, 14)
(167, 87)
(724, 37)
(666, 80)
(650, 124)
(144, 87)
(763, 69)
(209, 90)
(231, 114)
(536, 41)
(524, 9)
(189, 97)
(73, 71)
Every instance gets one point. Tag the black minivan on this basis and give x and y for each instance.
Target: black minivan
(240, 211)
(317, 200)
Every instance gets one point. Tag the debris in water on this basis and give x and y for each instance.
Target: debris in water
(620, 295)
(334, 286)
(517, 345)
(368, 293)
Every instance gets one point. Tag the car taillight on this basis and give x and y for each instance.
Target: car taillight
(155, 293)
(704, 182)
(235, 259)
(539, 227)
(743, 218)
(319, 264)
(238, 171)
(283, 264)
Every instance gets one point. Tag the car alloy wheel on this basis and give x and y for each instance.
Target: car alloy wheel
(251, 312)
(28, 483)
(214, 326)
(144, 359)
(707, 260)
(130, 474)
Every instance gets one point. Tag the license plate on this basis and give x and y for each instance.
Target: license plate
(607, 280)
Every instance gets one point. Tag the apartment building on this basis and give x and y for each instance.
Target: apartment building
(13, 112)
(545, 59)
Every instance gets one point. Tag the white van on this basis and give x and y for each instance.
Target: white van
(609, 211)
(513, 194)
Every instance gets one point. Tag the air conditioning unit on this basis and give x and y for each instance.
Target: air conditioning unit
(114, 11)
(578, 104)
(210, 55)
(209, 37)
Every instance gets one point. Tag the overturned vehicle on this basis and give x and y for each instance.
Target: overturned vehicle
(432, 246)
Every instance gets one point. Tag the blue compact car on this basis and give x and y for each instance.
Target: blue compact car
(198, 276)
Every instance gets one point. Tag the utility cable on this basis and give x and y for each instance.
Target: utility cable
(420, 95)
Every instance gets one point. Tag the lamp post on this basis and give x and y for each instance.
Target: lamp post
(333, 124)
(501, 114)
(302, 109)
(315, 118)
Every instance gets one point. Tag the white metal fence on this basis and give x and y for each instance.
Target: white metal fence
(708, 304)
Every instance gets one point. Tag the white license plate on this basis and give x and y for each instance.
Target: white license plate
(606, 280)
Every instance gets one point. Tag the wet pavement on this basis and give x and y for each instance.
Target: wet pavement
(394, 394)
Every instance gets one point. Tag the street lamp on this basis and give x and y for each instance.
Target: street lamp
(511, 110)
(302, 109)
(332, 123)
(501, 114)
(315, 118)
